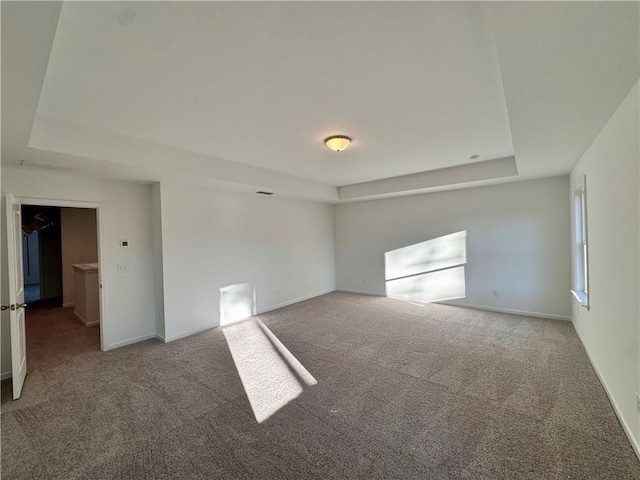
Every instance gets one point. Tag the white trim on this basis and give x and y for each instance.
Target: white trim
(508, 310)
(581, 297)
(359, 292)
(625, 425)
(188, 334)
(84, 322)
(5, 375)
(291, 302)
(66, 305)
(130, 341)
(102, 281)
(234, 322)
(160, 337)
(268, 309)
(102, 257)
(54, 202)
(477, 307)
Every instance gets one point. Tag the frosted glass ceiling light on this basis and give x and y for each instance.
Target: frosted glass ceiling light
(337, 143)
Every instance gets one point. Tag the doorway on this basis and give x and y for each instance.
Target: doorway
(60, 271)
(46, 288)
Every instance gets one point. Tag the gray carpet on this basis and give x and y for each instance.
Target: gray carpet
(404, 391)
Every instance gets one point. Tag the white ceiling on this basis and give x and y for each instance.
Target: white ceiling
(241, 94)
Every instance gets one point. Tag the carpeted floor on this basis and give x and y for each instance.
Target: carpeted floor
(403, 391)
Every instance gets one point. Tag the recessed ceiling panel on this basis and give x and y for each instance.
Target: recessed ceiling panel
(416, 85)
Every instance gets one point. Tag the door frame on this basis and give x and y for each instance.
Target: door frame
(50, 202)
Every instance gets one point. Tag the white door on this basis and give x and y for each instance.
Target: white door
(16, 295)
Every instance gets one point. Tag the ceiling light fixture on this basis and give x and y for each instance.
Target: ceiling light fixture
(337, 143)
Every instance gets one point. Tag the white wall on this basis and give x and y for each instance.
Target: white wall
(125, 213)
(79, 233)
(212, 238)
(610, 329)
(517, 242)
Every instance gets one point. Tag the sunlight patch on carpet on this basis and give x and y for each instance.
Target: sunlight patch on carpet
(271, 376)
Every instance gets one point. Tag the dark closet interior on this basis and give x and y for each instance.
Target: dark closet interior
(42, 253)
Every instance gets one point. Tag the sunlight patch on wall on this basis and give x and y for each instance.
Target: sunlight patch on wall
(429, 271)
(271, 376)
(429, 287)
(237, 302)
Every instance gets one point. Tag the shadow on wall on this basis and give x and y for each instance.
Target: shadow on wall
(270, 374)
(429, 271)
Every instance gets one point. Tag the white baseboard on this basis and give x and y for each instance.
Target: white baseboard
(476, 307)
(84, 322)
(79, 317)
(65, 305)
(5, 375)
(359, 292)
(187, 334)
(265, 310)
(291, 302)
(130, 341)
(508, 310)
(625, 425)
(161, 338)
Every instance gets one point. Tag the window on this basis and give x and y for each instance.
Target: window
(580, 260)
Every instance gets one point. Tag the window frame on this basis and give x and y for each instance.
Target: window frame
(580, 279)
